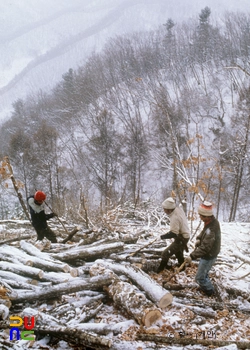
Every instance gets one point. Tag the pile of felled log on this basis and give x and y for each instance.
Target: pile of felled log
(81, 277)
(29, 276)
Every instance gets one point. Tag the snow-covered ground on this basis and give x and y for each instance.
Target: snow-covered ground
(229, 323)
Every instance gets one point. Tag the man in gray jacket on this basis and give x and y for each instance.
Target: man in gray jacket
(179, 230)
(207, 245)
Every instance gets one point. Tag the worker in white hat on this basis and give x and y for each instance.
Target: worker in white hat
(179, 230)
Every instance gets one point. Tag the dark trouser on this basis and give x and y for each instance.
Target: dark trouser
(46, 232)
(176, 248)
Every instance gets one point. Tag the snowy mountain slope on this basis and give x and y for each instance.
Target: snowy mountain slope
(41, 40)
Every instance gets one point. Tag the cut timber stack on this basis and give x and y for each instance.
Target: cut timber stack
(129, 298)
(160, 296)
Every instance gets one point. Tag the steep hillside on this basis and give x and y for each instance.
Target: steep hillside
(41, 40)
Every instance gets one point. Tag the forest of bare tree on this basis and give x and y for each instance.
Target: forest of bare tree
(153, 114)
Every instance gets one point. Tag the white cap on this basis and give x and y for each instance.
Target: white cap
(169, 203)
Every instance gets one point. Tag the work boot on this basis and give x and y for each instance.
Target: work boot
(207, 292)
(163, 265)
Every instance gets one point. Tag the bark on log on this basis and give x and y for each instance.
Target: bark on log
(213, 304)
(241, 257)
(56, 277)
(15, 259)
(89, 252)
(4, 312)
(154, 291)
(188, 341)
(206, 312)
(129, 298)
(75, 336)
(55, 291)
(45, 257)
(170, 286)
(20, 285)
(16, 239)
(13, 276)
(71, 235)
(236, 292)
(21, 269)
(12, 254)
(87, 314)
(6, 302)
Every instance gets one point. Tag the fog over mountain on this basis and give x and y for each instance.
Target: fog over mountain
(40, 39)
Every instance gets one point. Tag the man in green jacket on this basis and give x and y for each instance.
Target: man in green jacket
(207, 245)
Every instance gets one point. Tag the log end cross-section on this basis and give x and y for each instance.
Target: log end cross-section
(165, 301)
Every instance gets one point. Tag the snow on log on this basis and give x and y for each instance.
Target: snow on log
(54, 291)
(19, 284)
(189, 341)
(15, 255)
(160, 296)
(21, 269)
(129, 298)
(241, 257)
(15, 259)
(206, 312)
(89, 252)
(46, 258)
(57, 277)
(6, 275)
(4, 312)
(75, 336)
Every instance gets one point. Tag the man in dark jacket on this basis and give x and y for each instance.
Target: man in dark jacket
(207, 245)
(39, 218)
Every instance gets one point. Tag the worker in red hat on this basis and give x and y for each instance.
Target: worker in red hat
(39, 218)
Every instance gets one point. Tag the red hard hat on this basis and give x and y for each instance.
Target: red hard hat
(40, 196)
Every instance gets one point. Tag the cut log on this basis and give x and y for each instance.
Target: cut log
(16, 239)
(55, 291)
(71, 234)
(15, 259)
(89, 252)
(188, 341)
(6, 302)
(242, 257)
(4, 312)
(170, 286)
(153, 290)
(206, 312)
(41, 258)
(21, 269)
(56, 277)
(20, 285)
(13, 254)
(13, 276)
(212, 304)
(143, 247)
(129, 298)
(75, 336)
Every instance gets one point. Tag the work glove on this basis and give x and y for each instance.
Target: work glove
(188, 260)
(197, 243)
(168, 235)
